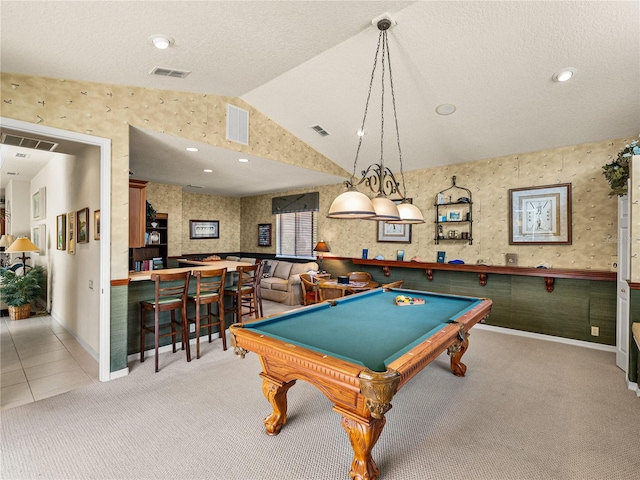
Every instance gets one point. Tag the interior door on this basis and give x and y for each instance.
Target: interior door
(622, 311)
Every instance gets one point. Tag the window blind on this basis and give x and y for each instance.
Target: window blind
(296, 234)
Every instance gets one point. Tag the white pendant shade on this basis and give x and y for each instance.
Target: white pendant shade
(351, 205)
(385, 209)
(409, 213)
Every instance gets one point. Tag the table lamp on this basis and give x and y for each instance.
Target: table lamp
(22, 245)
(321, 247)
(5, 241)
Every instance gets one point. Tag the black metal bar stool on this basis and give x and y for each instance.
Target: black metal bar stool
(170, 295)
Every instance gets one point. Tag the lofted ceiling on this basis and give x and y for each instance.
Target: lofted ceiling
(306, 63)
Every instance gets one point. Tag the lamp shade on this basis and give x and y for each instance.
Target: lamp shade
(385, 209)
(351, 204)
(6, 241)
(409, 214)
(321, 246)
(22, 244)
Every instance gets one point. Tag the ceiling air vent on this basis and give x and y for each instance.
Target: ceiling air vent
(321, 131)
(19, 141)
(169, 72)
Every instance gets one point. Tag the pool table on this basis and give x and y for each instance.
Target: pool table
(359, 351)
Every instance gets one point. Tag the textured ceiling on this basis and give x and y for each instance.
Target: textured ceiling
(309, 63)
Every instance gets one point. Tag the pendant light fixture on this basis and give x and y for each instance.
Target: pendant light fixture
(380, 179)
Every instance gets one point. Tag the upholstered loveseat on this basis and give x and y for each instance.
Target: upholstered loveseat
(281, 281)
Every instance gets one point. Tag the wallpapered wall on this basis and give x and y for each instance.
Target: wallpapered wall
(594, 212)
(107, 111)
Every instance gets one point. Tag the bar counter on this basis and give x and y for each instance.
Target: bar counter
(193, 265)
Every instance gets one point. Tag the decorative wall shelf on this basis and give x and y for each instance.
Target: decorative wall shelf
(548, 274)
(454, 207)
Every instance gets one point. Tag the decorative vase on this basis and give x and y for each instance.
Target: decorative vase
(19, 313)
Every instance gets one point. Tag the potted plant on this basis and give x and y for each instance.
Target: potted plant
(617, 172)
(18, 291)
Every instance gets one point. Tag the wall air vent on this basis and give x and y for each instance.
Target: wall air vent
(237, 124)
(26, 142)
(321, 131)
(169, 72)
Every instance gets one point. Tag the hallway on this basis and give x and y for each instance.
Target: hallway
(40, 359)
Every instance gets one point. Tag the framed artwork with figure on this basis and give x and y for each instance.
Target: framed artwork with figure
(82, 225)
(71, 233)
(61, 232)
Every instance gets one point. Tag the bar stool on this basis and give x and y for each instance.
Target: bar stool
(243, 294)
(170, 295)
(209, 290)
(257, 279)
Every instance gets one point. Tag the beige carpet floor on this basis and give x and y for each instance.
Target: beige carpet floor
(527, 409)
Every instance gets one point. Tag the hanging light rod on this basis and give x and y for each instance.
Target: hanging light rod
(381, 181)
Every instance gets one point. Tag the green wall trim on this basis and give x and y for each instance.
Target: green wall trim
(118, 328)
(519, 302)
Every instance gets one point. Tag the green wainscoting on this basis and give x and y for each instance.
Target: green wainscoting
(118, 333)
(519, 302)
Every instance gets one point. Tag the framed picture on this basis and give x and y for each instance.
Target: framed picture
(39, 238)
(82, 226)
(454, 216)
(39, 204)
(96, 225)
(203, 229)
(71, 233)
(540, 215)
(392, 232)
(61, 232)
(264, 234)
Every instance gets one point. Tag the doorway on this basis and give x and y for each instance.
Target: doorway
(104, 145)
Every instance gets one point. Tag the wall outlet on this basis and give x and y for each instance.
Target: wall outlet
(91, 284)
(595, 331)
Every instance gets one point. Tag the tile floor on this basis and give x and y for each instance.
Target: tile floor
(39, 359)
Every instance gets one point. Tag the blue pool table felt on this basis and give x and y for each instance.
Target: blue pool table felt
(367, 329)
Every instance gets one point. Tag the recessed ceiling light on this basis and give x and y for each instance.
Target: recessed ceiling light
(243, 160)
(445, 109)
(161, 41)
(360, 133)
(564, 74)
(191, 149)
(207, 170)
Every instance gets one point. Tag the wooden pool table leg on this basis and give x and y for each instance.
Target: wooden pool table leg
(276, 394)
(363, 435)
(456, 351)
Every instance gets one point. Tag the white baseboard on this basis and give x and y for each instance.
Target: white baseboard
(119, 373)
(550, 338)
(633, 387)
